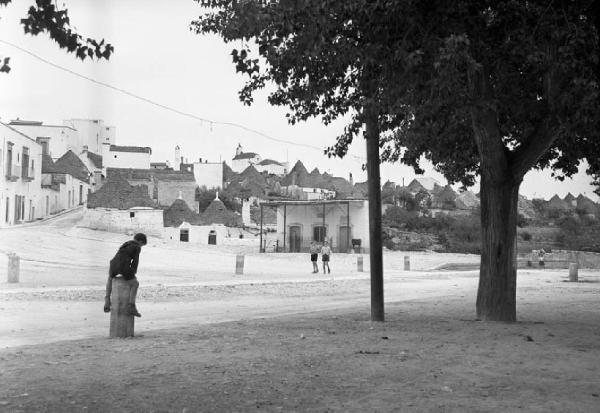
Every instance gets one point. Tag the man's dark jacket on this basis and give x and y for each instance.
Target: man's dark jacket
(126, 260)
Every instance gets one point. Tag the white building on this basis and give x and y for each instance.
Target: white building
(272, 167)
(135, 157)
(208, 174)
(93, 163)
(54, 139)
(21, 197)
(242, 159)
(343, 223)
(93, 133)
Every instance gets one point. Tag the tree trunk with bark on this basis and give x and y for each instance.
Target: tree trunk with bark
(496, 295)
(502, 171)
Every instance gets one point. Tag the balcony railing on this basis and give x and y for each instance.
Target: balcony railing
(13, 173)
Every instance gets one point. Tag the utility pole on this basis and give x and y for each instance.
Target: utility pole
(374, 185)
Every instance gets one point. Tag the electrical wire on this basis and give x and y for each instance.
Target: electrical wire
(165, 107)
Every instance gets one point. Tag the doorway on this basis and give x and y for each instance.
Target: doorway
(212, 237)
(295, 238)
(344, 240)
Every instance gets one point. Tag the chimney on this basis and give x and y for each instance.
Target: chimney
(180, 196)
(85, 148)
(199, 160)
(177, 158)
(351, 180)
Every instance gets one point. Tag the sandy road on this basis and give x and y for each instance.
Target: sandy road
(63, 272)
(35, 321)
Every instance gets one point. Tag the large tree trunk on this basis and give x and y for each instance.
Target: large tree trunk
(502, 171)
(496, 296)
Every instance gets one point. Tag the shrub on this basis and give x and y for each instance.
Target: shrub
(526, 236)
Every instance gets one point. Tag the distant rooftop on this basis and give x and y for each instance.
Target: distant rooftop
(269, 162)
(17, 131)
(245, 155)
(20, 122)
(138, 149)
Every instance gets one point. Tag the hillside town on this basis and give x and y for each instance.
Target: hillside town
(54, 168)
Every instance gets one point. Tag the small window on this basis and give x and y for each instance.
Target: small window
(319, 233)
(132, 215)
(184, 235)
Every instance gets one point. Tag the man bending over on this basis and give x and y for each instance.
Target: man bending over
(124, 264)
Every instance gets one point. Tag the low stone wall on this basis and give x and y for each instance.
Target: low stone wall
(560, 259)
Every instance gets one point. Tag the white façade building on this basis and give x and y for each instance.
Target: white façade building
(208, 175)
(70, 178)
(343, 223)
(93, 133)
(242, 159)
(93, 163)
(54, 139)
(20, 180)
(134, 157)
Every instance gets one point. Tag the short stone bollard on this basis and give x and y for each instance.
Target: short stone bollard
(121, 322)
(406, 263)
(239, 264)
(573, 276)
(13, 268)
(359, 263)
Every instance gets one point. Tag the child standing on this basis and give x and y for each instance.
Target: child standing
(314, 255)
(325, 256)
(125, 264)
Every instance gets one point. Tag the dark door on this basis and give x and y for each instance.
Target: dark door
(212, 238)
(295, 239)
(344, 241)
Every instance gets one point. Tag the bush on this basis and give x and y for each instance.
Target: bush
(526, 236)
(455, 234)
(398, 217)
(578, 234)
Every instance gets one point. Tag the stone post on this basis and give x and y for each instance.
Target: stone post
(406, 263)
(359, 263)
(573, 276)
(239, 264)
(121, 322)
(13, 268)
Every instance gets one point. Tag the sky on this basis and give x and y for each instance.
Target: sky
(158, 58)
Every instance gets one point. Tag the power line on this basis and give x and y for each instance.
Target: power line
(165, 107)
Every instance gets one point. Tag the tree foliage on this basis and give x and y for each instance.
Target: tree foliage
(422, 61)
(481, 88)
(46, 17)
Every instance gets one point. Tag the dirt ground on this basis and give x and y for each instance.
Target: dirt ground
(279, 338)
(429, 356)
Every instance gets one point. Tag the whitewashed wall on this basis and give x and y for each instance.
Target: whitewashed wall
(30, 189)
(146, 220)
(209, 175)
(309, 216)
(117, 159)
